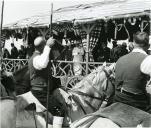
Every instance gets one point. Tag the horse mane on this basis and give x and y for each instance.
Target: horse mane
(8, 81)
(22, 79)
(95, 77)
(24, 68)
(96, 86)
(8, 98)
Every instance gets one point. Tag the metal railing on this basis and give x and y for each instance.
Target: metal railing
(59, 68)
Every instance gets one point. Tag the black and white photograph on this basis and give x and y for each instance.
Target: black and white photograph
(75, 63)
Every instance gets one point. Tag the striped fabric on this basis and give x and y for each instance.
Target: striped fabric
(3, 37)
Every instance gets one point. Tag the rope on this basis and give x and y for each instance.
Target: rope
(145, 26)
(35, 119)
(127, 32)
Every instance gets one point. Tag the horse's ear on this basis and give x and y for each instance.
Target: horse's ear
(104, 64)
(112, 66)
(148, 87)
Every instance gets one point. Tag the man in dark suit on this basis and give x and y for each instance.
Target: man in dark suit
(14, 52)
(130, 82)
(114, 54)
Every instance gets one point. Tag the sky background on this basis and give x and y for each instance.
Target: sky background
(19, 9)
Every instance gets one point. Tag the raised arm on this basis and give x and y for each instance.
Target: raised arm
(41, 61)
(146, 66)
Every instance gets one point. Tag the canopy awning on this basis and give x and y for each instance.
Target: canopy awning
(109, 9)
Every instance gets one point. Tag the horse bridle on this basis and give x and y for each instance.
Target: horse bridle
(8, 98)
(90, 96)
(87, 95)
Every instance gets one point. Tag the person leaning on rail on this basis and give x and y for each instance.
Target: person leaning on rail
(130, 80)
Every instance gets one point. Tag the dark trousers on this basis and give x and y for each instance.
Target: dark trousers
(141, 101)
(42, 97)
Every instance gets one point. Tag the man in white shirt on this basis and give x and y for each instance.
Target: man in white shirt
(146, 69)
(130, 80)
(146, 65)
(78, 55)
(39, 68)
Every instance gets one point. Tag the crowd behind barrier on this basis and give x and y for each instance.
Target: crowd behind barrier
(72, 57)
(100, 53)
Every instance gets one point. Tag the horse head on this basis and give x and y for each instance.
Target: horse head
(22, 79)
(87, 95)
(8, 82)
(97, 85)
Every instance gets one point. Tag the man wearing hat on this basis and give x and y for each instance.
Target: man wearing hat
(130, 81)
(39, 68)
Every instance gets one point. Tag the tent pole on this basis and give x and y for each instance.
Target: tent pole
(87, 53)
(1, 19)
(27, 30)
(150, 22)
(49, 74)
(1, 36)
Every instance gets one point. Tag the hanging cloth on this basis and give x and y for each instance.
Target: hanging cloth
(121, 32)
(132, 28)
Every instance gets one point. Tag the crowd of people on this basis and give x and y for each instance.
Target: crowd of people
(105, 54)
(131, 72)
(100, 53)
(22, 53)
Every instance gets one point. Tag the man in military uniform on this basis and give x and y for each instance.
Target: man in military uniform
(130, 81)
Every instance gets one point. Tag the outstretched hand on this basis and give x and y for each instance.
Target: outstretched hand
(50, 42)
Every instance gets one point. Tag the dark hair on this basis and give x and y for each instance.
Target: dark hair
(141, 38)
(114, 42)
(12, 44)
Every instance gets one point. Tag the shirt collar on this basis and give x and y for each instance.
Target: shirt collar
(36, 51)
(139, 50)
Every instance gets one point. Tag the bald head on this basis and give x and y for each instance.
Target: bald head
(39, 43)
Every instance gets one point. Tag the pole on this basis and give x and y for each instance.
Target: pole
(27, 31)
(49, 75)
(1, 36)
(51, 15)
(87, 53)
(150, 22)
(1, 20)
(150, 31)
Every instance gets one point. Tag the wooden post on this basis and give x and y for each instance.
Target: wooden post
(87, 53)
(88, 30)
(1, 25)
(1, 21)
(150, 22)
(27, 36)
(49, 74)
(150, 31)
